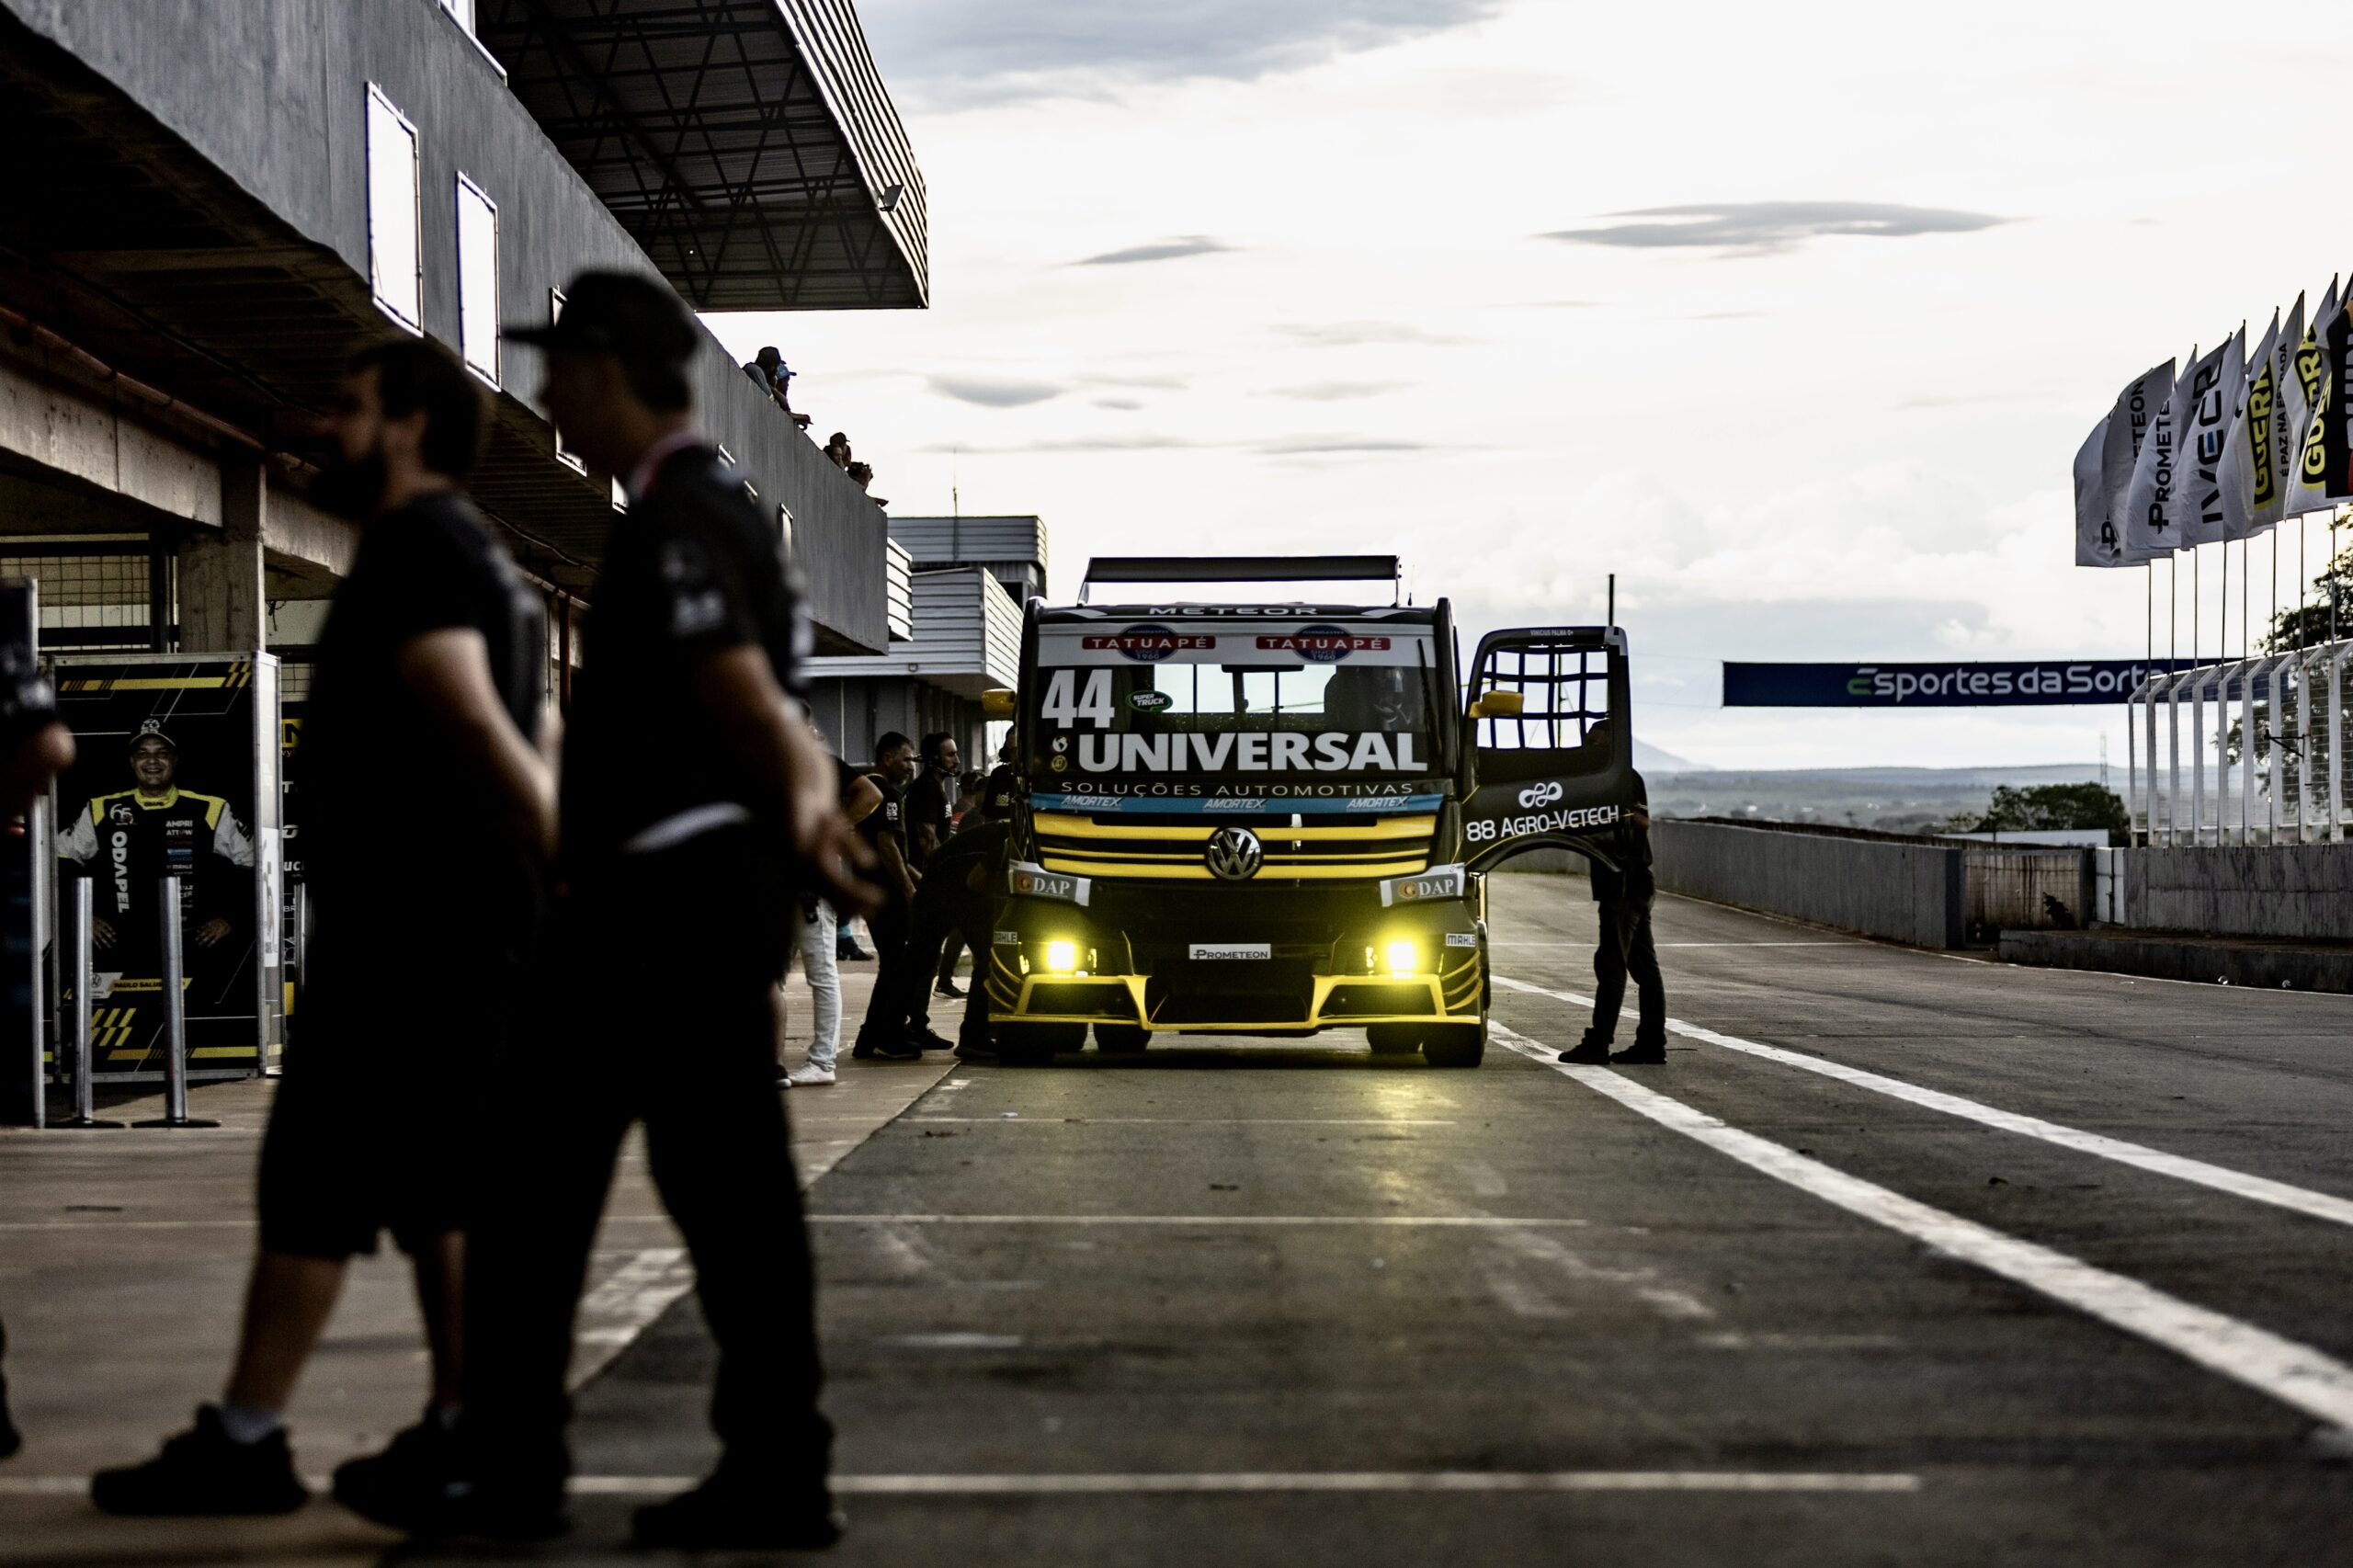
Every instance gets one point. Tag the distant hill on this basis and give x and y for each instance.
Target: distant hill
(1893, 800)
(1650, 759)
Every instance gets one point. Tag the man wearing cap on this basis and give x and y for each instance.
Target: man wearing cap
(124, 841)
(696, 806)
(773, 376)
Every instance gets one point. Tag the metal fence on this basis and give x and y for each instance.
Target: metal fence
(2249, 752)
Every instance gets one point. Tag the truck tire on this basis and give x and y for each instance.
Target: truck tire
(1122, 1039)
(1455, 1045)
(1394, 1039)
(1034, 1045)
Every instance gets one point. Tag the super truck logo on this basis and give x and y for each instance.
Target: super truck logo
(1322, 644)
(1147, 644)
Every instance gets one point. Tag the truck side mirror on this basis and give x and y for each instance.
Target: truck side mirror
(997, 703)
(1498, 705)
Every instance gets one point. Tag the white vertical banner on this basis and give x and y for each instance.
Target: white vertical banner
(2248, 464)
(2138, 409)
(2150, 528)
(2096, 543)
(2217, 384)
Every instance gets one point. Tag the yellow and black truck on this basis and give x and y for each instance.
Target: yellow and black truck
(1275, 818)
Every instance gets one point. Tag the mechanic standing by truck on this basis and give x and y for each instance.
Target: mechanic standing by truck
(1623, 899)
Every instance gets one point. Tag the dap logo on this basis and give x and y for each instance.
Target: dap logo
(1542, 794)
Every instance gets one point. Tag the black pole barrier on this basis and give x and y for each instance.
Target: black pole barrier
(174, 1012)
(78, 982)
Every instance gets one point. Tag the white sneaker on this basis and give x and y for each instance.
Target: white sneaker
(809, 1076)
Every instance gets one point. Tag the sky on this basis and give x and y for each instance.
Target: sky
(1792, 317)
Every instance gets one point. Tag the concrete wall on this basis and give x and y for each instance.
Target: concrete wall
(2294, 891)
(1908, 893)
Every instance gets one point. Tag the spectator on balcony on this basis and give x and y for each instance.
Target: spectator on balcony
(863, 475)
(838, 449)
(773, 376)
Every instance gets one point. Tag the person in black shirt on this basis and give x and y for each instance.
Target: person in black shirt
(882, 1033)
(1623, 898)
(931, 817)
(697, 805)
(432, 655)
(965, 879)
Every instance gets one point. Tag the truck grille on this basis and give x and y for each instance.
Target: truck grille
(1173, 848)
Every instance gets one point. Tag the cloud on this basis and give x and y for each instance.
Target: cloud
(1759, 227)
(992, 393)
(954, 53)
(1141, 443)
(1120, 404)
(1357, 334)
(1161, 250)
(1341, 445)
(1337, 392)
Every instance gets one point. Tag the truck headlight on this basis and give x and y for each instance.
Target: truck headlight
(1062, 958)
(1404, 958)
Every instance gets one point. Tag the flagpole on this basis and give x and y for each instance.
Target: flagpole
(2223, 607)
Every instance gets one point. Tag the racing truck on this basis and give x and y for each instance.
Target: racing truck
(1276, 818)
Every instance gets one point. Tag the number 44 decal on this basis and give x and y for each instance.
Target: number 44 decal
(1065, 706)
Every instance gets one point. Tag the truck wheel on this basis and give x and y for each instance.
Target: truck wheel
(1455, 1045)
(1394, 1040)
(1122, 1039)
(1034, 1045)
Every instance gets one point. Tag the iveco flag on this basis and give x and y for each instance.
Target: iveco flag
(2150, 528)
(2246, 456)
(2217, 385)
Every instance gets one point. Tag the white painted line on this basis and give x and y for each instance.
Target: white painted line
(2296, 1375)
(624, 1305)
(2238, 1183)
(1402, 1221)
(1181, 1122)
(1316, 1481)
(1587, 947)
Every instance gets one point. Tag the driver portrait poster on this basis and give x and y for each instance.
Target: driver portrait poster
(175, 775)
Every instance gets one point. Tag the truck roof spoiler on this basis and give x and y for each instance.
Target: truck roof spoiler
(1243, 569)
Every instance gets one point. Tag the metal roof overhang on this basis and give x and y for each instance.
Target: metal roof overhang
(749, 146)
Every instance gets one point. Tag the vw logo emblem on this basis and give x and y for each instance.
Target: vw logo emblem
(1235, 855)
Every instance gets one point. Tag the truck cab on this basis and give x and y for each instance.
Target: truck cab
(1275, 818)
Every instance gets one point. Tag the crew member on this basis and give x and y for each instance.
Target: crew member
(884, 1032)
(124, 841)
(691, 786)
(434, 652)
(820, 961)
(958, 893)
(931, 817)
(1622, 899)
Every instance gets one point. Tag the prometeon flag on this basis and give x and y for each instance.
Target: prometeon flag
(2150, 528)
(2096, 540)
(2247, 475)
(2324, 473)
(2138, 409)
(2217, 385)
(2271, 501)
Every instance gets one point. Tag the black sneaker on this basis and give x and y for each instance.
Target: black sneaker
(201, 1471)
(1591, 1051)
(406, 1485)
(975, 1051)
(1641, 1053)
(929, 1040)
(850, 952)
(724, 1515)
(897, 1050)
(948, 988)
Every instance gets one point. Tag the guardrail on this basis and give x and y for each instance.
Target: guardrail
(2278, 724)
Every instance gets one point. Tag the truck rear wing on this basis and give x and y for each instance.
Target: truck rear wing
(1149, 569)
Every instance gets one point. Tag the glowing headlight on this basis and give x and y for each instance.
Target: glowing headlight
(1062, 957)
(1404, 958)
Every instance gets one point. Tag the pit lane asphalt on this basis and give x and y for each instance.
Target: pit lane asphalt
(1215, 1266)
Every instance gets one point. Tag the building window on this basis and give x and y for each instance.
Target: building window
(396, 259)
(570, 459)
(478, 279)
(463, 11)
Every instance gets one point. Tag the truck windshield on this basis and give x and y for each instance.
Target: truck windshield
(1163, 698)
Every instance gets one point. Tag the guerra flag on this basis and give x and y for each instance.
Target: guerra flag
(2247, 475)
(2285, 400)
(2100, 538)
(2217, 383)
(2324, 471)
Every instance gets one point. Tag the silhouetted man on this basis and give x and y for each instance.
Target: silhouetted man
(696, 806)
(1622, 899)
(883, 1033)
(434, 653)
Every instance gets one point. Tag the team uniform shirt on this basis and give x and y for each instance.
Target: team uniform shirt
(126, 840)
(928, 801)
(392, 806)
(693, 568)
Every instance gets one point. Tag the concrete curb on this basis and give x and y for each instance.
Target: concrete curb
(2181, 955)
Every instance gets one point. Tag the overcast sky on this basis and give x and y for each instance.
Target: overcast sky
(1791, 316)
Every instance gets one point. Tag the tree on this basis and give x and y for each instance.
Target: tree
(2326, 616)
(2055, 806)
